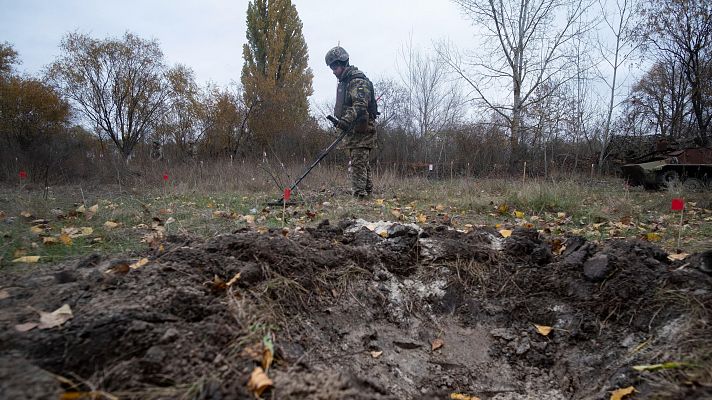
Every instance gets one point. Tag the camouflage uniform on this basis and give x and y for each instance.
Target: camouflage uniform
(352, 96)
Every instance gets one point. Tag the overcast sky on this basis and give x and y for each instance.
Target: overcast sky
(207, 35)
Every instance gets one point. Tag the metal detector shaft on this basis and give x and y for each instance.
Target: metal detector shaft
(318, 159)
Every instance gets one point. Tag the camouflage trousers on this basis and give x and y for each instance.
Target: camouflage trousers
(361, 184)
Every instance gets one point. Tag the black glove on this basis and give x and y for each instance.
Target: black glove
(341, 124)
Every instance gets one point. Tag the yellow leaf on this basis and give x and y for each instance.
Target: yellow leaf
(436, 344)
(376, 354)
(505, 233)
(86, 230)
(140, 263)
(677, 257)
(619, 394)
(543, 329)
(37, 229)
(110, 224)
(460, 396)
(421, 218)
(81, 209)
(503, 208)
(519, 214)
(653, 237)
(65, 239)
(383, 233)
(259, 381)
(379, 202)
(27, 259)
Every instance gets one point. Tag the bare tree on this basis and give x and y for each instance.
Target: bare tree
(118, 85)
(434, 101)
(619, 23)
(683, 30)
(524, 47)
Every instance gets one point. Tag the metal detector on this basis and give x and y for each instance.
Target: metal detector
(321, 156)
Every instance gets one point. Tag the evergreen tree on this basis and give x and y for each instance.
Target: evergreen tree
(275, 76)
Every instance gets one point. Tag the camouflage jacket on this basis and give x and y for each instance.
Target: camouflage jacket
(352, 96)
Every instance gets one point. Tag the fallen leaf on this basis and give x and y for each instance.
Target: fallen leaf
(460, 396)
(619, 394)
(439, 207)
(436, 344)
(653, 237)
(55, 318)
(543, 329)
(657, 367)
(140, 263)
(110, 224)
(233, 279)
(49, 240)
(421, 218)
(518, 214)
(250, 219)
(505, 233)
(92, 210)
(376, 354)
(259, 381)
(170, 220)
(383, 233)
(27, 259)
(37, 229)
(119, 268)
(503, 208)
(28, 326)
(379, 202)
(677, 257)
(2, 215)
(86, 231)
(19, 253)
(26, 214)
(396, 212)
(97, 394)
(267, 358)
(561, 215)
(65, 239)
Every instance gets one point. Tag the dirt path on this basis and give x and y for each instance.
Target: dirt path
(360, 310)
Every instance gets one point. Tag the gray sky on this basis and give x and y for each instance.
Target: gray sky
(207, 35)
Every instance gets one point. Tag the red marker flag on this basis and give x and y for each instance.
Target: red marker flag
(23, 174)
(287, 194)
(165, 177)
(678, 204)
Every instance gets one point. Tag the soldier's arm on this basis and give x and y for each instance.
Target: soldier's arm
(360, 94)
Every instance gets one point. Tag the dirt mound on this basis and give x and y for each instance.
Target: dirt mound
(360, 310)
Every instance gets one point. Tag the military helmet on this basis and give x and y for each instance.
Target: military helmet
(338, 53)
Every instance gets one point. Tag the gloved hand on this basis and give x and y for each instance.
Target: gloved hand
(341, 124)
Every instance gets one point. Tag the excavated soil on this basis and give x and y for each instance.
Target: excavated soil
(364, 311)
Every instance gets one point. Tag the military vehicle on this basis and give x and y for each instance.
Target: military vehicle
(689, 167)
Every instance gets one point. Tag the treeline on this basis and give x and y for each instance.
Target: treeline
(545, 89)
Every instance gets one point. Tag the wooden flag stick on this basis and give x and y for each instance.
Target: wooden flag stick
(679, 230)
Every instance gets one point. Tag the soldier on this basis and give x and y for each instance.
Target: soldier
(356, 112)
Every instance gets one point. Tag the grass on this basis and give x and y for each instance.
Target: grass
(208, 203)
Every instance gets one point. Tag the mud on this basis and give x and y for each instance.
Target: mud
(360, 310)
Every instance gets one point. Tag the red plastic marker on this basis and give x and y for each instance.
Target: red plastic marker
(23, 174)
(287, 194)
(678, 204)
